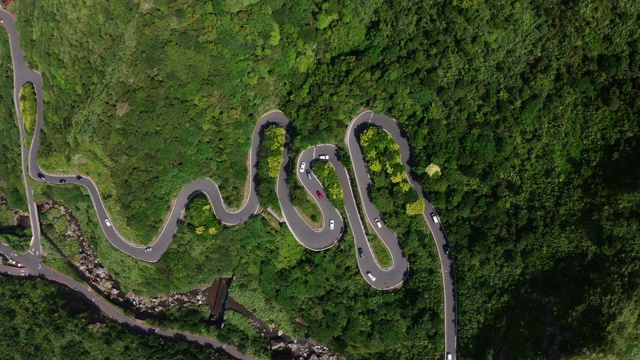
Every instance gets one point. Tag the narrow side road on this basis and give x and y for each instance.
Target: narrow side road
(115, 314)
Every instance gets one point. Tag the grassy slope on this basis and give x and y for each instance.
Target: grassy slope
(10, 167)
(10, 161)
(527, 110)
(276, 277)
(62, 325)
(28, 109)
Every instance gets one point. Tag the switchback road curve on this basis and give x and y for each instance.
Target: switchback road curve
(316, 240)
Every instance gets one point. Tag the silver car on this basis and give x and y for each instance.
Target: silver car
(370, 275)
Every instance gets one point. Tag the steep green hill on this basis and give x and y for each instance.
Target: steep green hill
(44, 320)
(529, 109)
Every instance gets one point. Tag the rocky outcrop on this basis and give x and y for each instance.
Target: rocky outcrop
(92, 268)
(306, 349)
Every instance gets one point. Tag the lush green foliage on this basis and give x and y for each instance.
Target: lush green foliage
(278, 279)
(11, 185)
(58, 248)
(380, 147)
(28, 108)
(199, 217)
(528, 108)
(380, 251)
(304, 202)
(18, 239)
(237, 331)
(15, 235)
(10, 166)
(415, 208)
(327, 176)
(270, 162)
(390, 190)
(44, 320)
(274, 137)
(196, 256)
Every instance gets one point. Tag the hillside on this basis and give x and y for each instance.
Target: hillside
(523, 118)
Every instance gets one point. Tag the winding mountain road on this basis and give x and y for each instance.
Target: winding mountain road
(313, 239)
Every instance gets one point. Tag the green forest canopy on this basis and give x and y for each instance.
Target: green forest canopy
(528, 108)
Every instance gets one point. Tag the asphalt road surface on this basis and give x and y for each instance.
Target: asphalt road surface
(309, 237)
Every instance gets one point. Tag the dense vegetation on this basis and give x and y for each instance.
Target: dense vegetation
(327, 176)
(304, 202)
(276, 278)
(11, 186)
(270, 162)
(28, 108)
(391, 191)
(41, 318)
(58, 248)
(529, 109)
(17, 236)
(10, 167)
(44, 320)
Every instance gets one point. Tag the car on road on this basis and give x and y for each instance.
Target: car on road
(78, 177)
(62, 181)
(106, 221)
(40, 176)
(377, 221)
(435, 218)
(309, 174)
(449, 356)
(447, 249)
(147, 249)
(360, 252)
(331, 224)
(324, 157)
(319, 194)
(15, 263)
(302, 166)
(370, 275)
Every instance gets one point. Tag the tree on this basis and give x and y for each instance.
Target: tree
(416, 208)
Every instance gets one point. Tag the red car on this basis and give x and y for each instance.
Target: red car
(318, 193)
(15, 263)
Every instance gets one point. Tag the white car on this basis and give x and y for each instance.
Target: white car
(331, 224)
(147, 249)
(435, 218)
(370, 275)
(377, 221)
(449, 357)
(324, 157)
(106, 221)
(302, 166)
